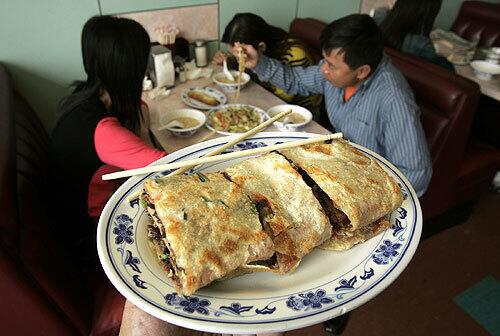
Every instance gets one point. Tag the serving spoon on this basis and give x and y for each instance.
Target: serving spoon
(226, 71)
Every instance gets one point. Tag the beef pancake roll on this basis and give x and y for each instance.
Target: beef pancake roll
(289, 212)
(203, 228)
(354, 190)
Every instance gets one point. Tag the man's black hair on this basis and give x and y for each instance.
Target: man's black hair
(358, 37)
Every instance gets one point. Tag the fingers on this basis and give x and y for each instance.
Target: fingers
(250, 55)
(245, 48)
(219, 57)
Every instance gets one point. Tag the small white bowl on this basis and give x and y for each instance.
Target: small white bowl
(231, 87)
(183, 132)
(295, 109)
(485, 70)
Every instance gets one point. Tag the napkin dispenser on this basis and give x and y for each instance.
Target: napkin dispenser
(161, 66)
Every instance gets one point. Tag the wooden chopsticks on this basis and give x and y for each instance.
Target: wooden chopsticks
(227, 156)
(230, 144)
(237, 139)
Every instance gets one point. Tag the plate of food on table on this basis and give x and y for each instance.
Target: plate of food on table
(271, 242)
(203, 98)
(235, 118)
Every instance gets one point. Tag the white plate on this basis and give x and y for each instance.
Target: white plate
(263, 116)
(199, 105)
(326, 284)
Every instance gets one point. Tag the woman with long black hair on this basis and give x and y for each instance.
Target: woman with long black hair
(407, 27)
(103, 127)
(274, 42)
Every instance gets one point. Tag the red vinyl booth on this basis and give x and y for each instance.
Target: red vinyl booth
(43, 291)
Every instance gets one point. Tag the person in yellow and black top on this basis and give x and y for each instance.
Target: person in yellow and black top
(273, 42)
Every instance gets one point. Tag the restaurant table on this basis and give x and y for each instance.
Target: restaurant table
(490, 88)
(252, 94)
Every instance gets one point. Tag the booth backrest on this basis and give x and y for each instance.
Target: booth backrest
(40, 293)
(478, 20)
(309, 31)
(447, 104)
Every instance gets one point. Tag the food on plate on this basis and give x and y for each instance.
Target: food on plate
(203, 97)
(234, 119)
(203, 228)
(342, 240)
(266, 213)
(288, 210)
(354, 190)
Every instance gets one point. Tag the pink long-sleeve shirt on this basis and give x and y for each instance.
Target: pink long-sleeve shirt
(119, 149)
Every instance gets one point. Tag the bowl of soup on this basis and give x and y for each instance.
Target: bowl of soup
(485, 70)
(297, 119)
(183, 122)
(228, 85)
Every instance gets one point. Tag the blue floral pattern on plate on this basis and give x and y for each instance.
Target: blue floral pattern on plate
(123, 229)
(308, 300)
(189, 304)
(386, 252)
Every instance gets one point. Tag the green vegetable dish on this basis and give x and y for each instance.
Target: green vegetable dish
(235, 119)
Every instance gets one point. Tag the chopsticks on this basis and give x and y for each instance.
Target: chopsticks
(237, 139)
(227, 156)
(218, 150)
(230, 144)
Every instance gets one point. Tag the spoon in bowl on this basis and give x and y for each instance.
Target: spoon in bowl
(226, 71)
(287, 121)
(172, 124)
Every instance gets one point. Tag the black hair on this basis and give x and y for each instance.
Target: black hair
(249, 28)
(358, 37)
(115, 55)
(409, 17)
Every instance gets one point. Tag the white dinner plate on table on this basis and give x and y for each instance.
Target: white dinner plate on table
(207, 90)
(325, 285)
(263, 116)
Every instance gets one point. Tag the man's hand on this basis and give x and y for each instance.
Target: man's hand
(250, 54)
(219, 57)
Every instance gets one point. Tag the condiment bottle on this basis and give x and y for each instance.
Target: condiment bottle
(200, 52)
(182, 73)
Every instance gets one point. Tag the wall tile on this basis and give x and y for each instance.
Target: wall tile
(124, 6)
(197, 22)
(276, 12)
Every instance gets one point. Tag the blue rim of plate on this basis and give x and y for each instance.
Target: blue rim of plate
(263, 114)
(216, 323)
(221, 97)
